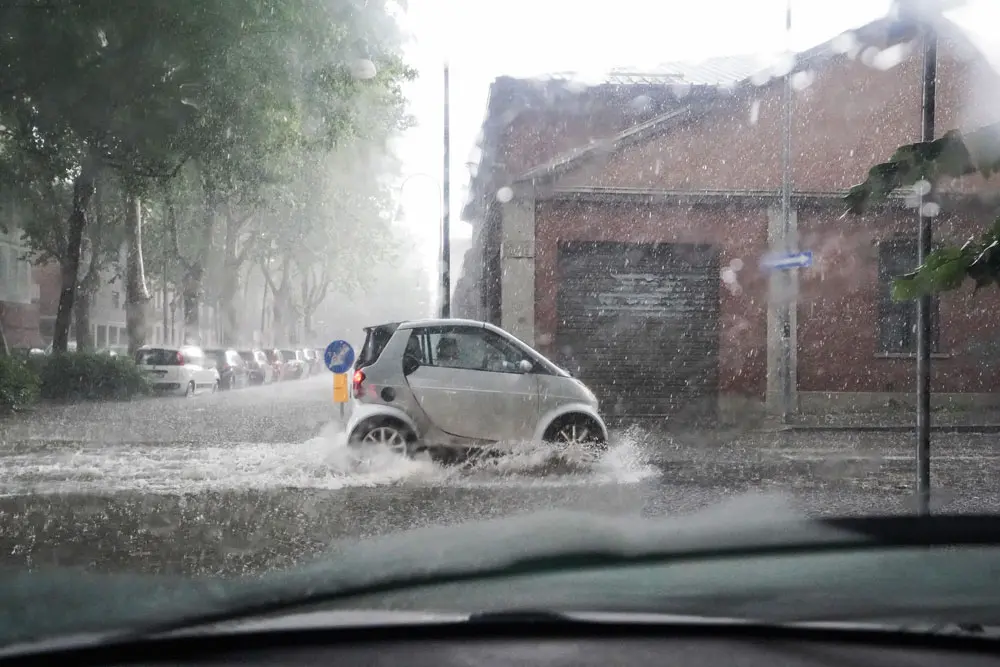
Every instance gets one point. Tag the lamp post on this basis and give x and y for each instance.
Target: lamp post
(446, 208)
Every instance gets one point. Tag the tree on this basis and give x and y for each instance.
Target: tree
(143, 89)
(921, 166)
(333, 210)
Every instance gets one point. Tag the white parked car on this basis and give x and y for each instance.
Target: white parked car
(178, 370)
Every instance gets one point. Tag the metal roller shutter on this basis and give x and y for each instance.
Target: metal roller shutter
(639, 324)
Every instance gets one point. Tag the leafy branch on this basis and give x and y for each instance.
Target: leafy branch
(918, 166)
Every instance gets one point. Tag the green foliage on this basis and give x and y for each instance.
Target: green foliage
(210, 111)
(18, 384)
(89, 376)
(952, 156)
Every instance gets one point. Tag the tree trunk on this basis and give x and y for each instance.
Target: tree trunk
(81, 308)
(166, 320)
(136, 291)
(190, 289)
(231, 264)
(263, 316)
(83, 191)
(230, 309)
(4, 349)
(84, 300)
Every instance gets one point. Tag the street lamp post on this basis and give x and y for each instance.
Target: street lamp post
(446, 208)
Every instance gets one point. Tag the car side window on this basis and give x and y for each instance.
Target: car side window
(466, 348)
(416, 347)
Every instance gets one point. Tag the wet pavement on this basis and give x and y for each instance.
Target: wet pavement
(261, 478)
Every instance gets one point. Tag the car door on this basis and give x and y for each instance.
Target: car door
(479, 393)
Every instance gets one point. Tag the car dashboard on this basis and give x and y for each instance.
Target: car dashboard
(525, 644)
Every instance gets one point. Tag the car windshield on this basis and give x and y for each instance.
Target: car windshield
(279, 278)
(156, 357)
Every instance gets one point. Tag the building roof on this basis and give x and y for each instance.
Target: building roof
(879, 34)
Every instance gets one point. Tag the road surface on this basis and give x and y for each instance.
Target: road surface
(243, 482)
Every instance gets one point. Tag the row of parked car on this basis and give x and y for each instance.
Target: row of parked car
(189, 369)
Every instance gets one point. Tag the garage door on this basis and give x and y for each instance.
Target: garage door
(639, 323)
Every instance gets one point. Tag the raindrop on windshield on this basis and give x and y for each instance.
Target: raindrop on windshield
(363, 69)
(505, 194)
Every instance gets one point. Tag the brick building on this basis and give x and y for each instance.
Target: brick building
(620, 229)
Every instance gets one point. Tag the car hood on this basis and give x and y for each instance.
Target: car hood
(88, 601)
(552, 557)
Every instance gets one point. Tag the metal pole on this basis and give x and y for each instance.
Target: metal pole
(786, 296)
(929, 90)
(446, 209)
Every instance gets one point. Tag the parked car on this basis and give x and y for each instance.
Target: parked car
(184, 370)
(293, 364)
(446, 385)
(260, 369)
(233, 373)
(313, 362)
(70, 347)
(277, 364)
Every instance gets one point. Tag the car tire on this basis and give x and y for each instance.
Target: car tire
(577, 431)
(390, 433)
(189, 391)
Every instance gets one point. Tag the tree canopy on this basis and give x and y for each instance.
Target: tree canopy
(918, 167)
(209, 121)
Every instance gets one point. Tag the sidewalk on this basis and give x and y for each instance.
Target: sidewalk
(950, 421)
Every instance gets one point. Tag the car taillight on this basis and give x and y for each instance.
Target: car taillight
(359, 378)
(180, 359)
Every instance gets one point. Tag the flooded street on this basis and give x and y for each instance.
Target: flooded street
(242, 482)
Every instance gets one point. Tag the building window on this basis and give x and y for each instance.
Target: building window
(116, 300)
(897, 320)
(102, 335)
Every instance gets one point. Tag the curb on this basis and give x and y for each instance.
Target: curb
(883, 428)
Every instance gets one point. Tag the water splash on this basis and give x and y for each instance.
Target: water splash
(324, 462)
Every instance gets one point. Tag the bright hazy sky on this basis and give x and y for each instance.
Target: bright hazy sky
(484, 39)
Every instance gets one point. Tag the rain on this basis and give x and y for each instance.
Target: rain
(698, 246)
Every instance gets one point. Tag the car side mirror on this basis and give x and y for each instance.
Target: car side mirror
(525, 366)
(410, 364)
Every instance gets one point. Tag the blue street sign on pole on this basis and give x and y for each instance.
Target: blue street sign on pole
(339, 356)
(798, 260)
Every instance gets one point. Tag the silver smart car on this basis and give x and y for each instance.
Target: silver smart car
(448, 385)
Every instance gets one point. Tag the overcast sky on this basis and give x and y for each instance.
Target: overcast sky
(484, 39)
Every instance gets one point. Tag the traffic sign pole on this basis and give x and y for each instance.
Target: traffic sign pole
(339, 358)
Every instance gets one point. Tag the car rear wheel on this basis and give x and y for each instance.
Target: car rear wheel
(578, 434)
(390, 434)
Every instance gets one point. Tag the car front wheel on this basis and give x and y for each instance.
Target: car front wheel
(578, 434)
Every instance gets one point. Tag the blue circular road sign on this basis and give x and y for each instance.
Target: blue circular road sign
(339, 356)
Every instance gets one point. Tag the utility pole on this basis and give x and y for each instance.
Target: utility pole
(787, 292)
(446, 208)
(928, 99)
